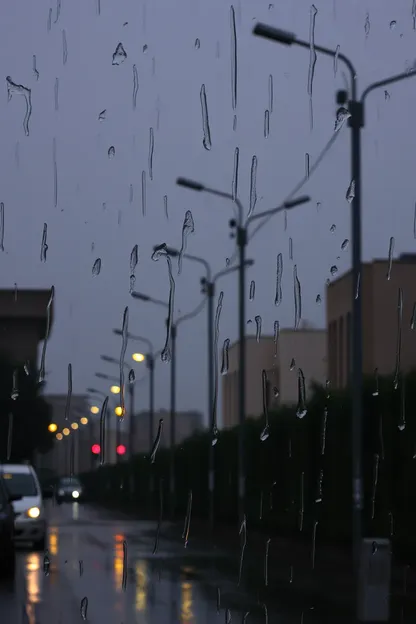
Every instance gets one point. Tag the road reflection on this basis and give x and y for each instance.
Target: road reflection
(118, 561)
(141, 585)
(186, 603)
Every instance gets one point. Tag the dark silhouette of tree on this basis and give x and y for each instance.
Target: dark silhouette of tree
(24, 415)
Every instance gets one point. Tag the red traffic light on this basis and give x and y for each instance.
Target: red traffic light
(121, 449)
(96, 449)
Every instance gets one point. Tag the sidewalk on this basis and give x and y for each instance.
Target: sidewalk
(328, 585)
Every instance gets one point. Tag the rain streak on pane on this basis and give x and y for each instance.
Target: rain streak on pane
(135, 86)
(134, 258)
(55, 173)
(159, 252)
(119, 55)
(271, 94)
(312, 59)
(336, 60)
(49, 22)
(214, 429)
(111, 151)
(224, 363)
(206, 140)
(258, 327)
(151, 148)
(279, 275)
(266, 123)
(297, 297)
(35, 71)
(233, 58)
(144, 193)
(253, 186)
(165, 206)
(234, 187)
(64, 48)
(390, 259)
(265, 432)
(350, 192)
(307, 166)
(44, 245)
(102, 115)
(56, 91)
(17, 89)
(197, 44)
(2, 226)
(188, 228)
(96, 269)
(252, 292)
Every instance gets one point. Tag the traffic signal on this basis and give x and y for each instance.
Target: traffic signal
(121, 449)
(95, 449)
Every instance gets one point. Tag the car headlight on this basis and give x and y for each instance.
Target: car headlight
(33, 512)
(75, 494)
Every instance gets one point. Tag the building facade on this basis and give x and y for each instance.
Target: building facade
(186, 424)
(304, 348)
(380, 288)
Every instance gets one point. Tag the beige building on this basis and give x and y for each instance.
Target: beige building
(380, 297)
(304, 348)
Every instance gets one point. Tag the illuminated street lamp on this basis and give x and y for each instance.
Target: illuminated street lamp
(74, 426)
(94, 409)
(66, 431)
(59, 436)
(115, 389)
(119, 411)
(83, 420)
(53, 427)
(138, 357)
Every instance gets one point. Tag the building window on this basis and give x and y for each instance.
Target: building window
(334, 381)
(341, 352)
(348, 345)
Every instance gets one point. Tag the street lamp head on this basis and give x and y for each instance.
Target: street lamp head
(137, 295)
(115, 389)
(53, 427)
(274, 34)
(297, 201)
(170, 251)
(94, 409)
(138, 357)
(190, 184)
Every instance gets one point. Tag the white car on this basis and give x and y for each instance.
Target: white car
(29, 513)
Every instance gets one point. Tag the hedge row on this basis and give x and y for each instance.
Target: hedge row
(300, 475)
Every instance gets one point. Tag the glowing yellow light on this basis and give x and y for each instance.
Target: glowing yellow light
(186, 610)
(59, 436)
(66, 431)
(141, 585)
(74, 425)
(138, 357)
(52, 427)
(115, 389)
(119, 411)
(94, 409)
(33, 512)
(84, 420)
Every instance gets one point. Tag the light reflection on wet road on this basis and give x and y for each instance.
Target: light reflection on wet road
(86, 555)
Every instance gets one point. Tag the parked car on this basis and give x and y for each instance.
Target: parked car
(69, 489)
(7, 546)
(30, 521)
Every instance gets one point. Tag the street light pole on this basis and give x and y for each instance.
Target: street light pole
(172, 419)
(356, 123)
(239, 231)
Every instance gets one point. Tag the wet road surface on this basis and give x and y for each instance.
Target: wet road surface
(90, 578)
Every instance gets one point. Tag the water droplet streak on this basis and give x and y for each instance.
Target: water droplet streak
(188, 228)
(206, 140)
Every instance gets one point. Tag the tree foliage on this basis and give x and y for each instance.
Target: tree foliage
(300, 478)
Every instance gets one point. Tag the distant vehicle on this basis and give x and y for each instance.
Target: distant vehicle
(69, 489)
(7, 548)
(30, 522)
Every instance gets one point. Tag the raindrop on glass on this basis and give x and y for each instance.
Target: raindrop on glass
(84, 608)
(266, 124)
(102, 115)
(206, 140)
(318, 299)
(292, 364)
(341, 117)
(132, 376)
(350, 192)
(111, 151)
(225, 359)
(258, 321)
(393, 24)
(345, 244)
(332, 228)
(252, 290)
(119, 55)
(96, 269)
(333, 270)
(197, 44)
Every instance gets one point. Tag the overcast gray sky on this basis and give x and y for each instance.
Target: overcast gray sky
(94, 217)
